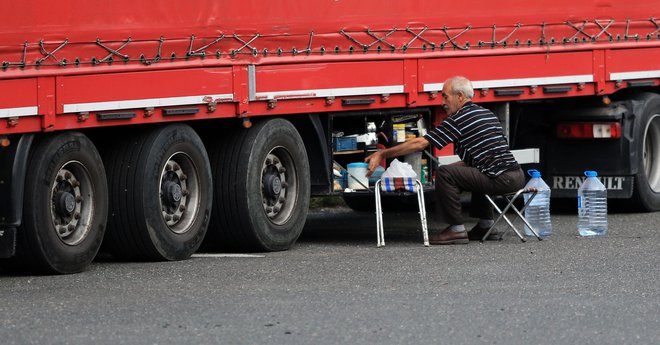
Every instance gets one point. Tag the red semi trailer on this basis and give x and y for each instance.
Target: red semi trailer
(140, 125)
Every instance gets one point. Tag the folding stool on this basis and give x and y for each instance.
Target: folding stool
(511, 198)
(380, 233)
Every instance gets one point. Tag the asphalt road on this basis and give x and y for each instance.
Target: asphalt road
(336, 287)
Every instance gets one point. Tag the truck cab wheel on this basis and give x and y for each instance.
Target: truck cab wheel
(647, 180)
(65, 206)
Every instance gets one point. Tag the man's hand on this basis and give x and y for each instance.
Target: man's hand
(374, 161)
(410, 146)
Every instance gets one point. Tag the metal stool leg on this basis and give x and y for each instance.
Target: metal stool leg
(510, 205)
(380, 233)
(502, 215)
(422, 212)
(522, 210)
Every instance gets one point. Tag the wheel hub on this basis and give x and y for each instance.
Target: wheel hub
(278, 185)
(172, 192)
(172, 195)
(179, 192)
(65, 203)
(273, 185)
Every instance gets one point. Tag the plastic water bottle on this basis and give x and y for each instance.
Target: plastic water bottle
(592, 206)
(537, 212)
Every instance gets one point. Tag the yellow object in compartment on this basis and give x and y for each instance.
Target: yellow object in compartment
(399, 132)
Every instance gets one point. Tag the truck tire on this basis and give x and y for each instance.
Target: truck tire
(65, 206)
(160, 199)
(261, 188)
(646, 194)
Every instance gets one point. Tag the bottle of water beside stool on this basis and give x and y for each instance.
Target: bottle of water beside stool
(592, 206)
(537, 212)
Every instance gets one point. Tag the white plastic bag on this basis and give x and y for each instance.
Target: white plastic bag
(399, 176)
(399, 169)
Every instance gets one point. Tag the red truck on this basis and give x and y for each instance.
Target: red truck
(149, 127)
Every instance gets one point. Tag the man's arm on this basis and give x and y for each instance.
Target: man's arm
(410, 146)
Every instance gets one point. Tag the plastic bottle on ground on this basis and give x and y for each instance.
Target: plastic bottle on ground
(537, 212)
(592, 206)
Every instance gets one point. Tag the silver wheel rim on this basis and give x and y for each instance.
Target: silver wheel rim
(651, 152)
(179, 193)
(279, 185)
(72, 200)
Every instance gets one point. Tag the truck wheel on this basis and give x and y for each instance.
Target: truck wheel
(262, 188)
(647, 180)
(65, 206)
(160, 197)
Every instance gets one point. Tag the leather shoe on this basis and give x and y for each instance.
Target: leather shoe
(447, 236)
(477, 233)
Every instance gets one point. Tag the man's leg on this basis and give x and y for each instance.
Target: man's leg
(447, 196)
(507, 182)
(480, 208)
(452, 179)
(448, 206)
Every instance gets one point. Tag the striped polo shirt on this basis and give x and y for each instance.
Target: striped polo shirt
(478, 139)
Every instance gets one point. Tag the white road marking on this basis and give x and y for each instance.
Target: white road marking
(205, 255)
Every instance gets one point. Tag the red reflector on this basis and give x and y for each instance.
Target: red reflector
(616, 130)
(589, 130)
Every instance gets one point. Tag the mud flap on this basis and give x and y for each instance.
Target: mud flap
(7, 242)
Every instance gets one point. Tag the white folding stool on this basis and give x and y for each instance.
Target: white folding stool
(380, 233)
(511, 198)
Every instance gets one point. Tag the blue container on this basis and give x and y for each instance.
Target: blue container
(537, 212)
(592, 206)
(375, 176)
(345, 144)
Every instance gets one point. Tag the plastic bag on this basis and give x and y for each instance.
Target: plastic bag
(399, 176)
(400, 169)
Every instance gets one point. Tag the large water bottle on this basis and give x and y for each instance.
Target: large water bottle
(592, 206)
(537, 212)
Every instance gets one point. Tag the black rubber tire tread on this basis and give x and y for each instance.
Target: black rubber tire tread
(234, 225)
(224, 149)
(39, 250)
(134, 231)
(643, 197)
(227, 229)
(119, 241)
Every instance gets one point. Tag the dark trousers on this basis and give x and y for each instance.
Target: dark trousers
(451, 180)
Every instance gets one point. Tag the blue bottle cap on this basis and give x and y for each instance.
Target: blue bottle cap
(357, 165)
(534, 173)
(590, 173)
